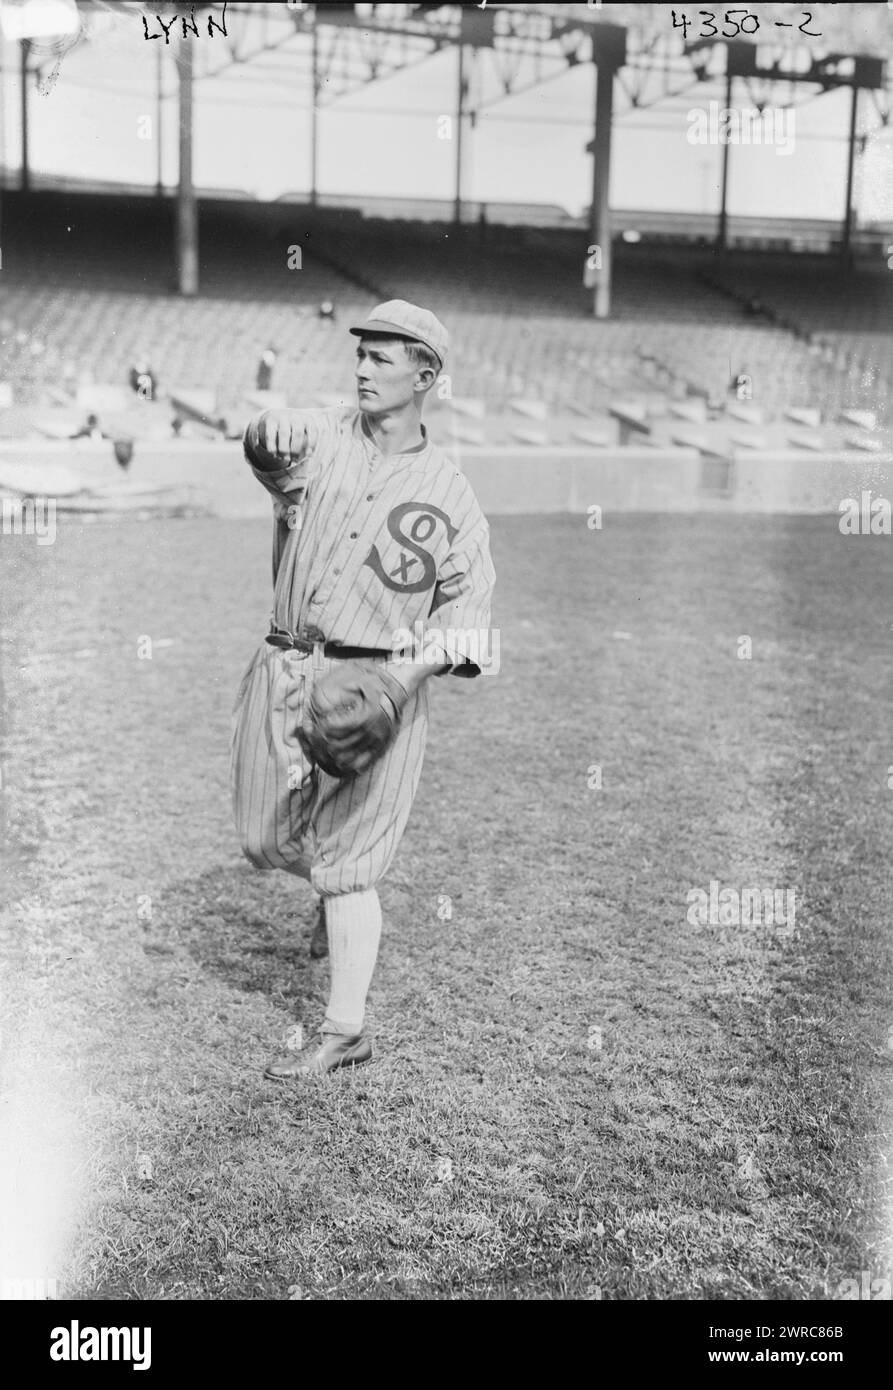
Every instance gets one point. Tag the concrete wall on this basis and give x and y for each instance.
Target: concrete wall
(506, 480)
(802, 482)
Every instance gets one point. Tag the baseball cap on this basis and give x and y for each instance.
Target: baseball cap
(399, 319)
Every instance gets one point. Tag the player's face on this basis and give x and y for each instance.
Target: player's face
(385, 376)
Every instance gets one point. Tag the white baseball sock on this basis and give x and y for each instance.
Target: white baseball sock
(353, 922)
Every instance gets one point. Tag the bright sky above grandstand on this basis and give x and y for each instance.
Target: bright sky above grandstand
(252, 131)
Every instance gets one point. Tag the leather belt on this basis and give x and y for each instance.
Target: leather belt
(310, 640)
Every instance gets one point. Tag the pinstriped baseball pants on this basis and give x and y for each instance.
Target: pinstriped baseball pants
(340, 835)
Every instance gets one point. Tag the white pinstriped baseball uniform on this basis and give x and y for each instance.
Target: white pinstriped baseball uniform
(374, 545)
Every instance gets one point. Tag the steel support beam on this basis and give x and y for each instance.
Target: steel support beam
(460, 127)
(26, 172)
(159, 114)
(187, 208)
(850, 173)
(723, 234)
(601, 181)
(314, 118)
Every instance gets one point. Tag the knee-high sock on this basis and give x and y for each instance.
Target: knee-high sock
(353, 923)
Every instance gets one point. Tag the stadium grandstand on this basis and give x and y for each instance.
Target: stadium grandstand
(709, 331)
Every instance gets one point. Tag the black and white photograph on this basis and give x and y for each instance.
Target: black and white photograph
(446, 695)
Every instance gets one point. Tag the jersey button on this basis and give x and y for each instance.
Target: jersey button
(353, 535)
(370, 497)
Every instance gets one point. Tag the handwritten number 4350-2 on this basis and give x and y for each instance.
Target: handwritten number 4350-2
(709, 16)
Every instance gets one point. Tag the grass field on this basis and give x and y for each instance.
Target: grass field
(577, 1092)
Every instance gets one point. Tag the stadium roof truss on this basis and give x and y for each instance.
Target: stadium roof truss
(508, 49)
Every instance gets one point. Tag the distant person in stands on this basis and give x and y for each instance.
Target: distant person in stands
(70, 377)
(143, 380)
(265, 369)
(326, 311)
(91, 430)
(123, 452)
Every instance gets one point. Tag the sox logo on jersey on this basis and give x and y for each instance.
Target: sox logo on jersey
(421, 530)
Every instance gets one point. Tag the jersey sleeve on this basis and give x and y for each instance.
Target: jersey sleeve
(288, 485)
(459, 620)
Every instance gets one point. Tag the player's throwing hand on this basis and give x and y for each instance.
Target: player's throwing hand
(277, 435)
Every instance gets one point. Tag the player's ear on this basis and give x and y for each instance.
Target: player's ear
(425, 378)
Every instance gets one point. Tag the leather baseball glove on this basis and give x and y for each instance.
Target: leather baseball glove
(353, 713)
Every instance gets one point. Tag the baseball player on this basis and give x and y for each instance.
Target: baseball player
(377, 535)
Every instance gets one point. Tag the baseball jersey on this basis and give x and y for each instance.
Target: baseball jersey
(367, 548)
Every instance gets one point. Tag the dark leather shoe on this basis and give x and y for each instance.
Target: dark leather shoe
(336, 1051)
(319, 941)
